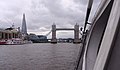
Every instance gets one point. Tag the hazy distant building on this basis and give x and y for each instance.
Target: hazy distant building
(42, 38)
(34, 38)
(24, 27)
(37, 38)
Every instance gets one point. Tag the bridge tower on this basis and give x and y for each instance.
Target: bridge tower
(76, 34)
(54, 40)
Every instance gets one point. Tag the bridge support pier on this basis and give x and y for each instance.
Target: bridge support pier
(54, 40)
(76, 34)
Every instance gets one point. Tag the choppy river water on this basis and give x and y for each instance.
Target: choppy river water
(41, 56)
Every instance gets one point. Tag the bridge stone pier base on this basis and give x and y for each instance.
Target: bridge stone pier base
(54, 40)
(76, 34)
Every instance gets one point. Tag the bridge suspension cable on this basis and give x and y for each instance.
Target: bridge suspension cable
(48, 33)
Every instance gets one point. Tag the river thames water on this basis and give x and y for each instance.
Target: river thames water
(40, 56)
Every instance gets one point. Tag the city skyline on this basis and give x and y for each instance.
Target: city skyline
(41, 14)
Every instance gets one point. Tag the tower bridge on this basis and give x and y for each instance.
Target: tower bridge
(75, 29)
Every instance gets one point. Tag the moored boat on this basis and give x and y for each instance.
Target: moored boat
(2, 42)
(14, 41)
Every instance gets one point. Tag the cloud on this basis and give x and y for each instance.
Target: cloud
(41, 14)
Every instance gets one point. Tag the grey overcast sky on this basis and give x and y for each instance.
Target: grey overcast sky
(41, 14)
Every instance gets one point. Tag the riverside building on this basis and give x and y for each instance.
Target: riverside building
(9, 33)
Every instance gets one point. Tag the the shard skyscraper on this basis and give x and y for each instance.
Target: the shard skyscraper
(24, 27)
